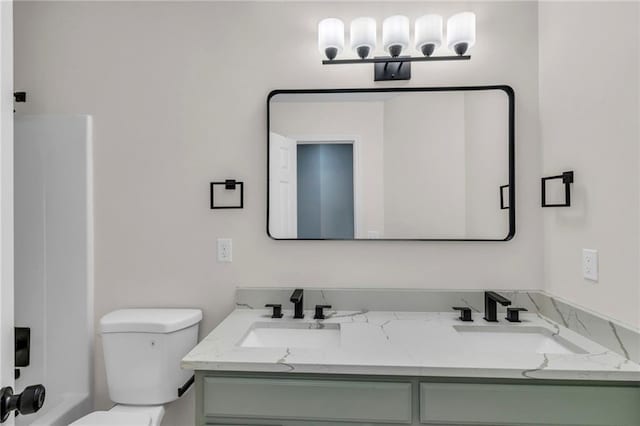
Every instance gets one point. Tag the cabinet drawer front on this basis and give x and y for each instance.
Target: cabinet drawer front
(463, 403)
(373, 402)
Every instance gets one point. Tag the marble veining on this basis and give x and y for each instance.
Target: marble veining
(542, 366)
(621, 339)
(406, 344)
(617, 336)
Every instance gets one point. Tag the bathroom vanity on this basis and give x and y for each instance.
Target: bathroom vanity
(404, 366)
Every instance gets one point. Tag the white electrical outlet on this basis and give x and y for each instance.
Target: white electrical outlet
(224, 250)
(590, 264)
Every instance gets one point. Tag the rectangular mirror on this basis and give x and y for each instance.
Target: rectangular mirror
(391, 164)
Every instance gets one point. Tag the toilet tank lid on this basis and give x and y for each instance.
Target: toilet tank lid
(149, 320)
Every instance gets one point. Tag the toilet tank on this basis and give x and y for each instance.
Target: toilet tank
(142, 353)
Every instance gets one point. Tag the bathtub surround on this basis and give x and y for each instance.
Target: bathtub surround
(617, 338)
(192, 120)
(54, 261)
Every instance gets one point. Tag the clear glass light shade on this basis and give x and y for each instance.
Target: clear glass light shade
(363, 36)
(461, 32)
(331, 37)
(428, 33)
(395, 34)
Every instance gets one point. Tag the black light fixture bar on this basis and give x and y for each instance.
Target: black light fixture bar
(391, 59)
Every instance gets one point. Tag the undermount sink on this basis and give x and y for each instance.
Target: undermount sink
(291, 335)
(517, 339)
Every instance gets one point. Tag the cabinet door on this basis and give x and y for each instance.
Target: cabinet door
(496, 404)
(300, 399)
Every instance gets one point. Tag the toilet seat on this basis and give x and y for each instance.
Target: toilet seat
(124, 415)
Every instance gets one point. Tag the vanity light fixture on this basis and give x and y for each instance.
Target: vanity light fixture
(428, 36)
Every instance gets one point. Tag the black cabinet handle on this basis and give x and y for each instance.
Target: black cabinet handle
(277, 309)
(513, 314)
(319, 311)
(465, 313)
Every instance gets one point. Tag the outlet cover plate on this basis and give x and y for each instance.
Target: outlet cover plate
(225, 252)
(590, 264)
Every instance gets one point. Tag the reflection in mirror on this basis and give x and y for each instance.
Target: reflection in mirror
(401, 164)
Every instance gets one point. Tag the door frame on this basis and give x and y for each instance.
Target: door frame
(6, 198)
(317, 139)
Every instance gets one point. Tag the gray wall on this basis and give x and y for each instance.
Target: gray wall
(178, 95)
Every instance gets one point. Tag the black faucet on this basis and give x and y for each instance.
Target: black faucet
(490, 307)
(296, 299)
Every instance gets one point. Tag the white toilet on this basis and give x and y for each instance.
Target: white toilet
(142, 353)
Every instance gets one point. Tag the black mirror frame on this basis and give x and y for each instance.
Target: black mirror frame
(512, 167)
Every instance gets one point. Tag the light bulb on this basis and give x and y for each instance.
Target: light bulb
(331, 37)
(395, 34)
(461, 32)
(363, 36)
(428, 33)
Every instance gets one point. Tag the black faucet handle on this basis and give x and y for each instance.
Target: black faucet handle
(465, 313)
(513, 314)
(277, 309)
(319, 311)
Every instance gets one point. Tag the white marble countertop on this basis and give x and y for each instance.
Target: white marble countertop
(406, 344)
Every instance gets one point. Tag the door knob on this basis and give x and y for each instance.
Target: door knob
(29, 401)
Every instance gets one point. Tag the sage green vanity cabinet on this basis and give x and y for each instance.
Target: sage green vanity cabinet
(276, 399)
(335, 400)
(509, 404)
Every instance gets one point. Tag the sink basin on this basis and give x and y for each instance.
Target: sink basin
(516, 339)
(291, 335)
